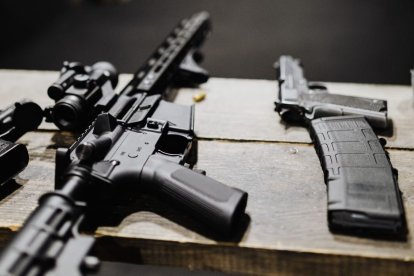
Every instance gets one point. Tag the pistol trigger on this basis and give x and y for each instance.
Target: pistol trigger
(278, 106)
(395, 172)
(290, 115)
(190, 73)
(382, 141)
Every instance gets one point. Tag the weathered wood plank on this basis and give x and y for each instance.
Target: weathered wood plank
(287, 208)
(234, 108)
(245, 261)
(244, 110)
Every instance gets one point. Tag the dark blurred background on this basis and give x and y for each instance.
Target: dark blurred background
(368, 41)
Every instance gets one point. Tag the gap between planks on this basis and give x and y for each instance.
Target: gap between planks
(232, 140)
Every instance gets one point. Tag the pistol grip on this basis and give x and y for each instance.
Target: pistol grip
(214, 203)
(325, 104)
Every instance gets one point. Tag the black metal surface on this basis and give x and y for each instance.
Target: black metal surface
(49, 240)
(15, 121)
(19, 118)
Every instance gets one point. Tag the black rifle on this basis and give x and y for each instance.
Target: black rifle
(140, 143)
(15, 121)
(363, 194)
(49, 242)
(82, 92)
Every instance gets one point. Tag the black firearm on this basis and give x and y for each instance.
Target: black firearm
(301, 101)
(82, 92)
(15, 121)
(142, 143)
(49, 243)
(363, 194)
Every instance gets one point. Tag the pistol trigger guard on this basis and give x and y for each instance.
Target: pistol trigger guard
(190, 73)
(291, 115)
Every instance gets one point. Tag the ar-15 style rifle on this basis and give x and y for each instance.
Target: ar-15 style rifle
(15, 121)
(137, 143)
(363, 193)
(82, 92)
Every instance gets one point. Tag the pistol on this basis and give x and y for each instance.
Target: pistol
(16, 120)
(363, 193)
(300, 100)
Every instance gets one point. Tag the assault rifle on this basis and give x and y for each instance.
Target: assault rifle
(137, 143)
(15, 121)
(83, 92)
(363, 193)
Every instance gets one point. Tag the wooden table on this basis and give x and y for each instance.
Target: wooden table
(243, 144)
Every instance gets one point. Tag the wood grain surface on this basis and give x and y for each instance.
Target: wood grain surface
(242, 144)
(237, 109)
